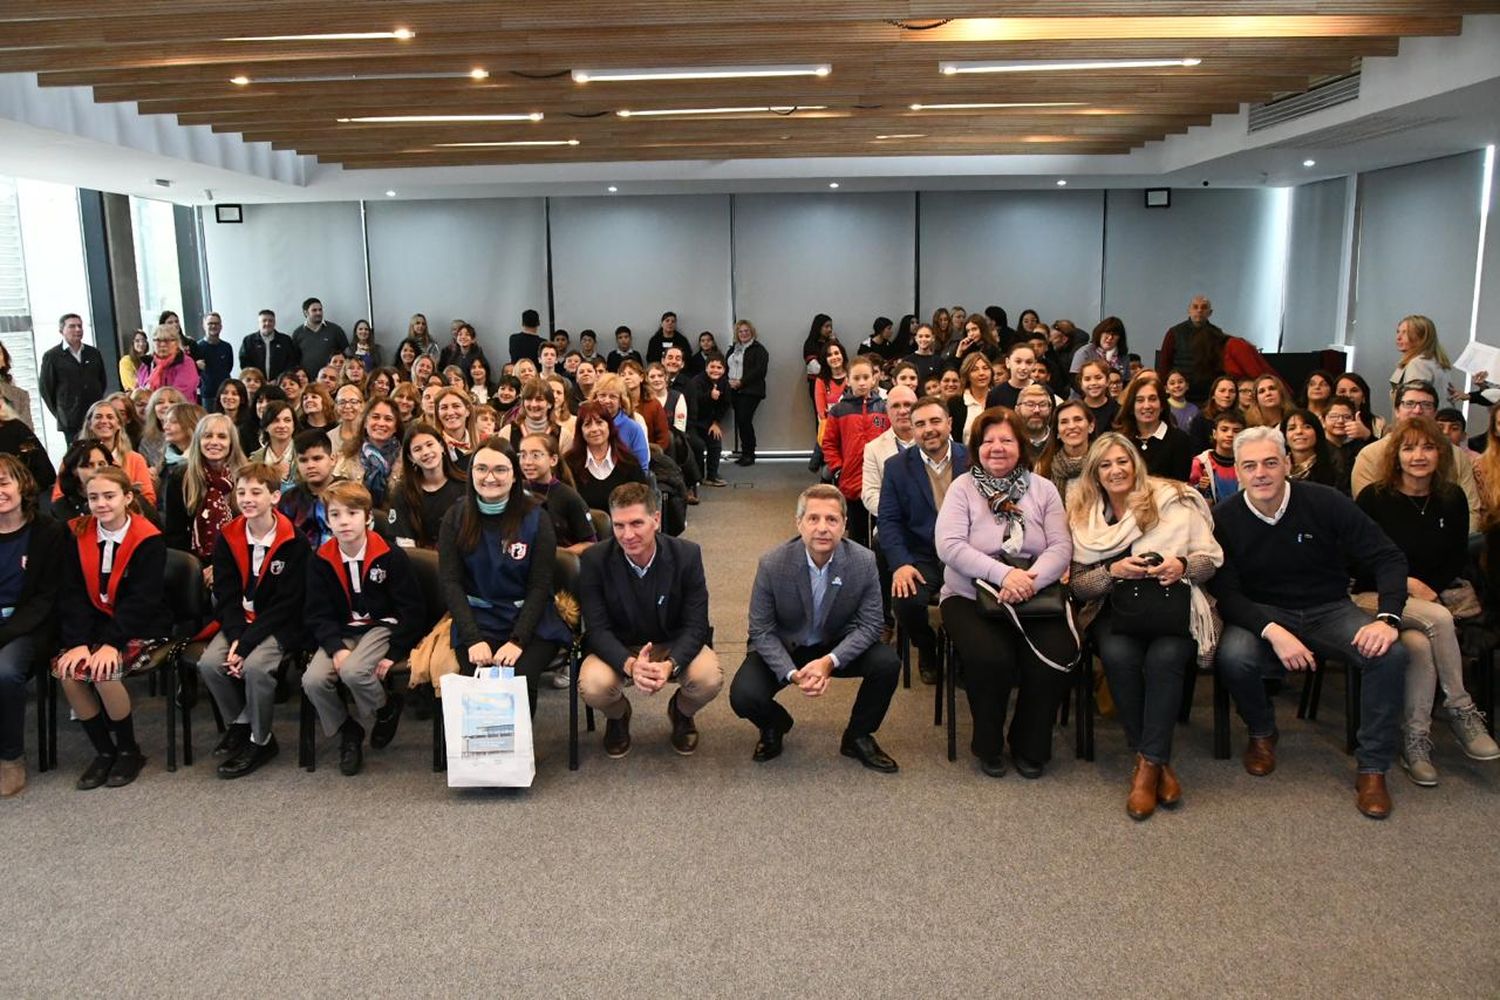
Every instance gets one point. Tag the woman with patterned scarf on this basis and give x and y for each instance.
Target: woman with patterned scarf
(199, 492)
(372, 455)
(1004, 528)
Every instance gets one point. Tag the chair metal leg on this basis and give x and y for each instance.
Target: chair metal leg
(1221, 718)
(903, 650)
(439, 744)
(43, 674)
(182, 704)
(1312, 692)
(937, 693)
(169, 687)
(52, 686)
(573, 708)
(1189, 688)
(948, 665)
(307, 735)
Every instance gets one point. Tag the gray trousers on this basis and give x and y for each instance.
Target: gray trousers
(249, 698)
(321, 682)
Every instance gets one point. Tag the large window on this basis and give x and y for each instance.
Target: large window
(156, 267)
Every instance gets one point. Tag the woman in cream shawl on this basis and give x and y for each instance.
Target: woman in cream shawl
(1118, 515)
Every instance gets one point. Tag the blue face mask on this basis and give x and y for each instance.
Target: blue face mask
(487, 507)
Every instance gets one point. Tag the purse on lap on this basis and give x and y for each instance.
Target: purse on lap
(1146, 609)
(1050, 602)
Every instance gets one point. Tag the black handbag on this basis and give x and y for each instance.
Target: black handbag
(1146, 609)
(1049, 602)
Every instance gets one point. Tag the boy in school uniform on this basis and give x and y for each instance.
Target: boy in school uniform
(260, 584)
(365, 611)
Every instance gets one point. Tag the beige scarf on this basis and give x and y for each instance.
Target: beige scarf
(1184, 529)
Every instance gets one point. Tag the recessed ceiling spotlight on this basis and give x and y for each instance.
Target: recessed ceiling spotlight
(239, 81)
(833, 184)
(390, 194)
(1309, 163)
(612, 189)
(1062, 183)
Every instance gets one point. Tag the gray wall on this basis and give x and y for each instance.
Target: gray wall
(1418, 239)
(1314, 259)
(1261, 254)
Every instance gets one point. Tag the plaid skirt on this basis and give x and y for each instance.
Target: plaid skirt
(134, 658)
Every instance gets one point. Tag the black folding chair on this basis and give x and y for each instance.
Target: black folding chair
(182, 587)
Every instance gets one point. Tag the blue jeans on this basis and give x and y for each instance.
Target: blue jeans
(1146, 677)
(1244, 660)
(17, 660)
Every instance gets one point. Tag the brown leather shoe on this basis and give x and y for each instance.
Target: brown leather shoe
(1168, 791)
(1260, 755)
(12, 777)
(1371, 797)
(617, 734)
(1142, 801)
(684, 732)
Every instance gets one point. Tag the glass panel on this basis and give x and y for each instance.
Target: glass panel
(155, 259)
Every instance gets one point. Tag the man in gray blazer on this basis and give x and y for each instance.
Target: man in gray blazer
(815, 614)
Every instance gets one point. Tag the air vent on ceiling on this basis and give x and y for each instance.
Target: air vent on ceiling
(1371, 127)
(1334, 92)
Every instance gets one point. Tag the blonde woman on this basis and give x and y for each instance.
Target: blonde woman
(1422, 357)
(199, 492)
(102, 422)
(1128, 526)
(153, 439)
(1273, 401)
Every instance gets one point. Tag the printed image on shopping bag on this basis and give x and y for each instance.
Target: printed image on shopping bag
(489, 724)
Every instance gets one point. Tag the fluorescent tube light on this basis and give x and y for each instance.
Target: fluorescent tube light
(784, 109)
(534, 116)
(986, 105)
(520, 142)
(401, 34)
(472, 74)
(1059, 65)
(699, 73)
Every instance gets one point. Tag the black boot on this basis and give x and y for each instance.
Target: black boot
(97, 773)
(351, 748)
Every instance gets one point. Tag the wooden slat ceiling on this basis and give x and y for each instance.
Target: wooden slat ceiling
(178, 57)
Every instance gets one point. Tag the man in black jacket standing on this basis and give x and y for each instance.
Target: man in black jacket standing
(1283, 592)
(268, 349)
(317, 339)
(72, 377)
(645, 599)
(528, 342)
(665, 336)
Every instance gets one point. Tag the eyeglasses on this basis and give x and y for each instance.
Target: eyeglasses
(1420, 406)
(1036, 405)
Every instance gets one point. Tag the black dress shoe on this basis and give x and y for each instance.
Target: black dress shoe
(746, 460)
(768, 747)
(865, 750)
(126, 768)
(617, 735)
(684, 732)
(251, 756)
(384, 729)
(928, 670)
(993, 766)
(1029, 769)
(96, 773)
(233, 740)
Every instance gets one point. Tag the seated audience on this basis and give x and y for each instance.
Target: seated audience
(372, 455)
(1128, 525)
(200, 494)
(1416, 399)
(111, 618)
(711, 391)
(549, 480)
(1183, 412)
(102, 423)
(1004, 527)
(1062, 459)
(815, 614)
(1312, 458)
(612, 399)
(598, 459)
(365, 612)
(1283, 592)
(1221, 397)
(1093, 388)
(1419, 507)
(1107, 345)
(303, 504)
(1213, 471)
(645, 598)
(18, 439)
(1353, 387)
(260, 588)
(858, 418)
(1020, 360)
(33, 551)
(278, 425)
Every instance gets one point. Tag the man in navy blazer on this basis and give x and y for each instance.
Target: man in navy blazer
(645, 607)
(911, 492)
(815, 614)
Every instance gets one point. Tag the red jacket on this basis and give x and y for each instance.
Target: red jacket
(852, 423)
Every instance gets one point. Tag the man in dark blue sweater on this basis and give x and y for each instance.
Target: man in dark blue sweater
(1284, 595)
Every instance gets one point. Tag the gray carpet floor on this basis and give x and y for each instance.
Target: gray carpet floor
(658, 875)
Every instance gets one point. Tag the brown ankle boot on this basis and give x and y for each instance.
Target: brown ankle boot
(1168, 791)
(12, 777)
(1142, 801)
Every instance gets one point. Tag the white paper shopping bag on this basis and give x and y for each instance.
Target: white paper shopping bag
(487, 725)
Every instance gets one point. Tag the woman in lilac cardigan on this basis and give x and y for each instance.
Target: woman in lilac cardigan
(1000, 507)
(169, 365)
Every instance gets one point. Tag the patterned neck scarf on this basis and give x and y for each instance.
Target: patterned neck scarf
(1003, 494)
(378, 461)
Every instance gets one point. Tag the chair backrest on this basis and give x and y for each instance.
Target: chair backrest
(565, 572)
(424, 564)
(603, 528)
(186, 596)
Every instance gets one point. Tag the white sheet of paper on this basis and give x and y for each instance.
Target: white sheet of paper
(1478, 357)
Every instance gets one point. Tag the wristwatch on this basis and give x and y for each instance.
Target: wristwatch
(1390, 618)
(673, 668)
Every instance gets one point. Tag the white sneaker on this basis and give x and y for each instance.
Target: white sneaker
(1416, 758)
(1468, 728)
